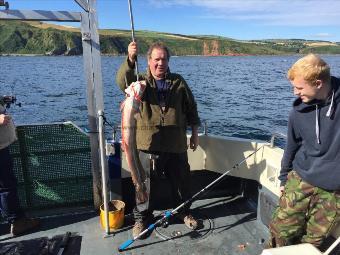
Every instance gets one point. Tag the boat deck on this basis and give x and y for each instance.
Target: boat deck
(227, 215)
(228, 226)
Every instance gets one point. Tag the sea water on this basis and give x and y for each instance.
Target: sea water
(237, 96)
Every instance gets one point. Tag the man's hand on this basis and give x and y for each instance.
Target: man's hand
(4, 119)
(194, 138)
(132, 52)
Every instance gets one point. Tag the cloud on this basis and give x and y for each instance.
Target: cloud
(322, 35)
(265, 12)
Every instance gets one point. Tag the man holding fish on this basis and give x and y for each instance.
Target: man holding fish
(165, 107)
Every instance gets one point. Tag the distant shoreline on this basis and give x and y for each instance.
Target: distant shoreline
(210, 55)
(20, 55)
(113, 55)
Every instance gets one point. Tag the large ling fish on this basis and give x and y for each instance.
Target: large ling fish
(129, 109)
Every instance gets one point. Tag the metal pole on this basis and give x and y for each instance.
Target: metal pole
(133, 35)
(91, 54)
(104, 168)
(95, 98)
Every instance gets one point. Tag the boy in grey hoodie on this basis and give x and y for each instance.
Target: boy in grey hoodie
(309, 205)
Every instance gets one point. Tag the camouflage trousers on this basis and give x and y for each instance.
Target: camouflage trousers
(306, 214)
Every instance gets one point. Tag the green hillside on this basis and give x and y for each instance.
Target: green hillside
(48, 39)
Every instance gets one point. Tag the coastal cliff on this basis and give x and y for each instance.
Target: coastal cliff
(48, 39)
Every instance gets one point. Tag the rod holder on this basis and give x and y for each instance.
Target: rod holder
(104, 167)
(5, 4)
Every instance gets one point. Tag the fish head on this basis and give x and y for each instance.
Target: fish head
(136, 89)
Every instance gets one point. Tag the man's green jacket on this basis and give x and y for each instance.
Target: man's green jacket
(158, 130)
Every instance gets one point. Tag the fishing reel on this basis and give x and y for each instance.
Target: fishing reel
(3, 3)
(8, 100)
(165, 223)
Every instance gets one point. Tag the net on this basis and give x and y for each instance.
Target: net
(52, 164)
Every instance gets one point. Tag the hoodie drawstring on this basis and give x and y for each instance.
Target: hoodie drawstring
(317, 127)
(330, 109)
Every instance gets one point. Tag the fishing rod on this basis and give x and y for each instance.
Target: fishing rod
(168, 214)
(133, 35)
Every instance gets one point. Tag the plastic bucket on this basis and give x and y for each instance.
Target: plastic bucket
(116, 215)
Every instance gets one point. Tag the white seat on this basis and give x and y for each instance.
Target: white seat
(299, 249)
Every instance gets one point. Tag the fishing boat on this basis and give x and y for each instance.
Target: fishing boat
(67, 178)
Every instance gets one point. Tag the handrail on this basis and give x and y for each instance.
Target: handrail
(205, 127)
(274, 135)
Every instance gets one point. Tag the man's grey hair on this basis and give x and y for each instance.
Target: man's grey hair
(158, 45)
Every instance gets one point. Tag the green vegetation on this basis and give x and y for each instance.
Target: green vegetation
(22, 38)
(48, 39)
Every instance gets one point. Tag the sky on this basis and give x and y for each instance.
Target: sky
(237, 19)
